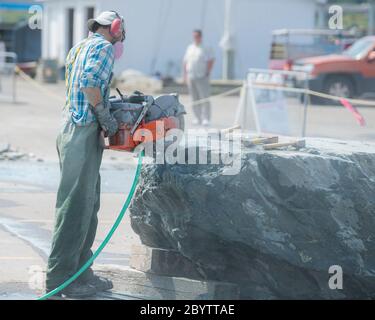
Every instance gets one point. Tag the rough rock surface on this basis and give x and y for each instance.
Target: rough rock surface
(277, 227)
(8, 153)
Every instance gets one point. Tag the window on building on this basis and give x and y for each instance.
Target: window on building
(70, 40)
(90, 12)
(89, 15)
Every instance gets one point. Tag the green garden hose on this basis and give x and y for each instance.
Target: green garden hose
(107, 238)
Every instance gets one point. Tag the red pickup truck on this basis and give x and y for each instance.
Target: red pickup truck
(350, 74)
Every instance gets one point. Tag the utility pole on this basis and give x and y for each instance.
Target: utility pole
(227, 43)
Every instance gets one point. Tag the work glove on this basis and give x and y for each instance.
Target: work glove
(106, 121)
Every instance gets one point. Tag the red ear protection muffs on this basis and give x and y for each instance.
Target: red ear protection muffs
(117, 29)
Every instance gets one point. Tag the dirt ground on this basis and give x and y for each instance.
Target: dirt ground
(28, 187)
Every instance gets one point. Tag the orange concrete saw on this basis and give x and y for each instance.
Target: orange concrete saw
(143, 119)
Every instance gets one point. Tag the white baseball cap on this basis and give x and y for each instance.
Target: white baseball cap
(105, 18)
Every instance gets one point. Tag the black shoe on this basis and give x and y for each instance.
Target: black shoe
(99, 283)
(76, 290)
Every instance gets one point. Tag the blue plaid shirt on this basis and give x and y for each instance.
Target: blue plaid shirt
(89, 64)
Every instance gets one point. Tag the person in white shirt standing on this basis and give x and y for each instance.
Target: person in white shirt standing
(198, 63)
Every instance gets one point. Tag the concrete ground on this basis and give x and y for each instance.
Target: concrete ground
(28, 187)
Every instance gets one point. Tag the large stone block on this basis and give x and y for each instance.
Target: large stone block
(277, 226)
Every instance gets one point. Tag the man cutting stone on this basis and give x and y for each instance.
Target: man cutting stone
(86, 115)
(198, 64)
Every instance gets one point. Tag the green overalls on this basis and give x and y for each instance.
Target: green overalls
(78, 201)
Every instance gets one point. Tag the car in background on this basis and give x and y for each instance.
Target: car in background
(347, 75)
(289, 45)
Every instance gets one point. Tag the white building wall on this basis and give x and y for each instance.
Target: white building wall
(55, 26)
(158, 31)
